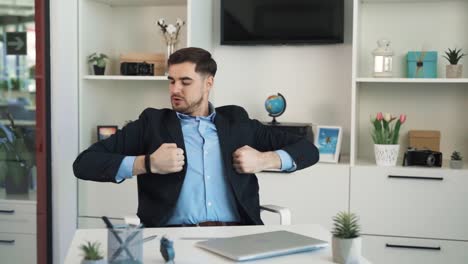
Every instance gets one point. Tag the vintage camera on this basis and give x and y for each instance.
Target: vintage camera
(137, 68)
(422, 157)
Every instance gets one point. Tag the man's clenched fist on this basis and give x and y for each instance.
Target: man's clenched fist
(167, 159)
(250, 160)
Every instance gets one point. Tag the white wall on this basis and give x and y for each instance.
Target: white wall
(315, 79)
(64, 105)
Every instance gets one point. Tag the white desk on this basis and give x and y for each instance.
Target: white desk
(186, 252)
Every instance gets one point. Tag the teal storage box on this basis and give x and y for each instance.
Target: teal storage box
(422, 64)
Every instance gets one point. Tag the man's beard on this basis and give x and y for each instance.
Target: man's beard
(190, 108)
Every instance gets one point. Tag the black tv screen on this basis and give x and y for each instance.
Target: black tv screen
(245, 22)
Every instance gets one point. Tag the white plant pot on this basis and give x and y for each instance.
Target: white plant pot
(456, 164)
(454, 71)
(386, 155)
(101, 261)
(346, 251)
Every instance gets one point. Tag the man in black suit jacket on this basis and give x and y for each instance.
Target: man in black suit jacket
(157, 144)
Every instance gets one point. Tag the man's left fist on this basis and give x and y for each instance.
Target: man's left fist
(247, 160)
(250, 160)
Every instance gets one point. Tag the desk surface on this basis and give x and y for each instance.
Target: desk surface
(186, 252)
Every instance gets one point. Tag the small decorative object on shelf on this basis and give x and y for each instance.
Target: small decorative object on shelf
(328, 142)
(385, 137)
(98, 60)
(456, 160)
(142, 64)
(424, 139)
(275, 106)
(171, 33)
(104, 132)
(346, 241)
(422, 157)
(92, 253)
(454, 70)
(422, 64)
(383, 59)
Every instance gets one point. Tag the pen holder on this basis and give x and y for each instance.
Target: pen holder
(125, 245)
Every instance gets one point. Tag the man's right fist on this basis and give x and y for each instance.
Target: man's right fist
(167, 159)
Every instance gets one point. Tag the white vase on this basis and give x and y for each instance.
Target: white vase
(101, 261)
(456, 164)
(346, 251)
(386, 155)
(170, 49)
(454, 71)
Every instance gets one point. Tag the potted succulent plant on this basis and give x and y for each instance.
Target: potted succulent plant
(456, 160)
(346, 240)
(98, 60)
(454, 70)
(92, 253)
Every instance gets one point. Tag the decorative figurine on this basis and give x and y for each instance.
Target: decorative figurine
(167, 249)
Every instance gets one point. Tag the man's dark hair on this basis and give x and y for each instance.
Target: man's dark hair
(204, 63)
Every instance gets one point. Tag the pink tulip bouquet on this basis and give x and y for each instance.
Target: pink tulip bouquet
(386, 132)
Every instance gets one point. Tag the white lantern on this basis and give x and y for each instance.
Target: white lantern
(383, 56)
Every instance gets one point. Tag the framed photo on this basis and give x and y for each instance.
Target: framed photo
(104, 132)
(328, 142)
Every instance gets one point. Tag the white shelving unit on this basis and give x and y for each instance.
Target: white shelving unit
(432, 104)
(412, 80)
(415, 204)
(115, 27)
(125, 78)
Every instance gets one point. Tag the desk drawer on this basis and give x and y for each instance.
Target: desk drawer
(18, 248)
(410, 202)
(7, 206)
(391, 250)
(13, 222)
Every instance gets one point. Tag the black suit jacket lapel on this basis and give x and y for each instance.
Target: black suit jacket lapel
(225, 142)
(175, 130)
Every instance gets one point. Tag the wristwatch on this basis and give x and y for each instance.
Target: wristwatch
(147, 163)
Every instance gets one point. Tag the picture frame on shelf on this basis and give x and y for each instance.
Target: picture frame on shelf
(328, 142)
(104, 132)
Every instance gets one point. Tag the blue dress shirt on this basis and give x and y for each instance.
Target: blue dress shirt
(206, 194)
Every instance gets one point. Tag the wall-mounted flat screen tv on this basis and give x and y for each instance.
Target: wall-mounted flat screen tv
(251, 22)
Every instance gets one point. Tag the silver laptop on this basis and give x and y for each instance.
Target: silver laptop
(261, 245)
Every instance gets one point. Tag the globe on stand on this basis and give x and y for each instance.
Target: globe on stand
(275, 106)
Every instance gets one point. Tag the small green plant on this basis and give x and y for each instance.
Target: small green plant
(32, 72)
(98, 59)
(345, 225)
(3, 85)
(453, 56)
(91, 251)
(16, 83)
(456, 156)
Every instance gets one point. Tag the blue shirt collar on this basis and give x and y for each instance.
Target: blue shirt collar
(210, 117)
